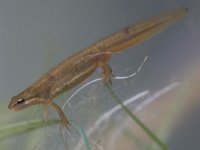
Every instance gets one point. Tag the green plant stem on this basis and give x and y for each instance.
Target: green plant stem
(83, 134)
(27, 126)
(23, 127)
(137, 120)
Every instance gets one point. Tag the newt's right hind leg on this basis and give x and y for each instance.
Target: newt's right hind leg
(107, 73)
(106, 69)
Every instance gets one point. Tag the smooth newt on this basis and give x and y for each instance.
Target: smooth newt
(74, 69)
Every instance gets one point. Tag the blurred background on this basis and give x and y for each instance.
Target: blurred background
(35, 35)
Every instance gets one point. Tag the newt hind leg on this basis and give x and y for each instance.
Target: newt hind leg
(106, 69)
(106, 73)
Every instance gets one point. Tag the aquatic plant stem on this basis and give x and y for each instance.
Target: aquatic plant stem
(83, 135)
(137, 120)
(24, 127)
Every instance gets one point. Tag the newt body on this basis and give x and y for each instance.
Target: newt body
(74, 69)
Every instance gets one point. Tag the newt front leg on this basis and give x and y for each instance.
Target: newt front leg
(63, 118)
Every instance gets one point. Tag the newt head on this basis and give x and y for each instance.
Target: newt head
(19, 102)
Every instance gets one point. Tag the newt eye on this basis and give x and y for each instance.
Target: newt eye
(20, 101)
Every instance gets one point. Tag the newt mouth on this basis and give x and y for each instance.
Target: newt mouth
(11, 107)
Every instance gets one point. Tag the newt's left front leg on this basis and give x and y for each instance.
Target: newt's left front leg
(63, 118)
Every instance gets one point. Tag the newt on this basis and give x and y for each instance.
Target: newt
(74, 69)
